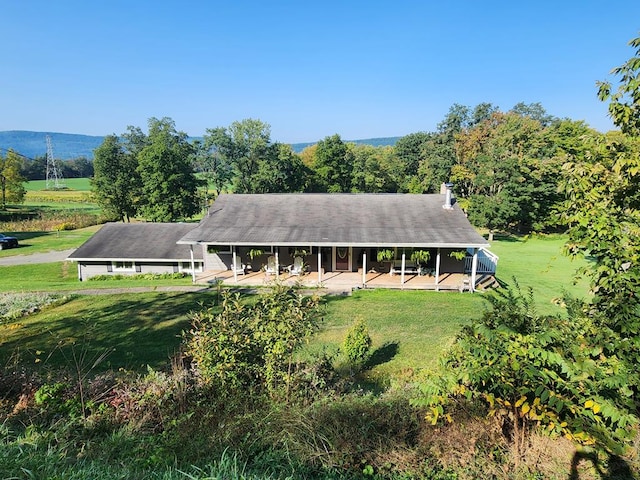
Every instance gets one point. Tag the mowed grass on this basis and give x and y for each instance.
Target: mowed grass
(538, 262)
(130, 330)
(38, 242)
(410, 329)
(79, 184)
(63, 277)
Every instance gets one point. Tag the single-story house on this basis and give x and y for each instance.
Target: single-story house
(341, 232)
(408, 235)
(130, 248)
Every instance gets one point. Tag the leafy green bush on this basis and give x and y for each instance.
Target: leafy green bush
(139, 276)
(357, 343)
(251, 345)
(535, 371)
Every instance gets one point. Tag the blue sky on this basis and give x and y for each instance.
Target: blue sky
(308, 69)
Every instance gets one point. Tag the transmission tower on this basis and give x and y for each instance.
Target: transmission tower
(54, 178)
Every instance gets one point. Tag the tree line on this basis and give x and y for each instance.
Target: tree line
(506, 166)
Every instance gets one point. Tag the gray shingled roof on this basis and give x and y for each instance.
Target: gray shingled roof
(138, 241)
(367, 220)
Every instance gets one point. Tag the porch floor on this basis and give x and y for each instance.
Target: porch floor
(340, 281)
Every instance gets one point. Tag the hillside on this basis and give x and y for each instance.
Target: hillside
(33, 144)
(67, 146)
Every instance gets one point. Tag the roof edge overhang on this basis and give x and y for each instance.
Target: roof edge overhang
(136, 259)
(344, 244)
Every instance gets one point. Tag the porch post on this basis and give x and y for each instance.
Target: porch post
(79, 271)
(402, 272)
(364, 268)
(474, 269)
(277, 264)
(193, 265)
(319, 265)
(437, 270)
(233, 263)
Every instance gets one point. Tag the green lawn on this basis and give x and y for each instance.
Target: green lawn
(38, 242)
(134, 330)
(409, 328)
(80, 184)
(63, 276)
(538, 262)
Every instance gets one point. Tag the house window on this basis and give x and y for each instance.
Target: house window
(219, 249)
(124, 267)
(186, 267)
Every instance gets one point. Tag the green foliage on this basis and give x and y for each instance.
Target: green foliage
(384, 255)
(251, 345)
(333, 164)
(12, 188)
(115, 183)
(624, 103)
(420, 256)
(169, 187)
(139, 276)
(357, 343)
(535, 371)
(458, 254)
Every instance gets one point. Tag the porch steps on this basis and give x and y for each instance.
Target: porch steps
(487, 282)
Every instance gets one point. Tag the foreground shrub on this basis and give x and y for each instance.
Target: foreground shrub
(141, 276)
(535, 372)
(251, 345)
(357, 343)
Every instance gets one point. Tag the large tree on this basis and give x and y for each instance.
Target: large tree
(169, 189)
(243, 146)
(333, 164)
(116, 182)
(11, 180)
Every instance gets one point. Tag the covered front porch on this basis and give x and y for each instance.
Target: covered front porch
(349, 267)
(344, 281)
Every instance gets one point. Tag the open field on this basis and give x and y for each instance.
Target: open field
(77, 184)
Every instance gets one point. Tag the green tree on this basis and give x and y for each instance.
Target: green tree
(169, 187)
(532, 371)
(376, 169)
(11, 179)
(281, 171)
(333, 164)
(624, 102)
(243, 146)
(603, 209)
(116, 182)
(214, 165)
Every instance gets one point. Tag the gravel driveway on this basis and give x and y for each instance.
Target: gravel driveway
(45, 257)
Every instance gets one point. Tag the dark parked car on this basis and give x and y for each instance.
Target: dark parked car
(7, 242)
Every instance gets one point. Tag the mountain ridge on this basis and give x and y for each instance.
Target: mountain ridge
(67, 146)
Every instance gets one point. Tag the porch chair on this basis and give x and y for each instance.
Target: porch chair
(297, 268)
(270, 269)
(237, 266)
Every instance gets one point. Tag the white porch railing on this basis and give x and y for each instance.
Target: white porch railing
(487, 262)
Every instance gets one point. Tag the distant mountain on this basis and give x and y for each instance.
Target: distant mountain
(67, 146)
(376, 142)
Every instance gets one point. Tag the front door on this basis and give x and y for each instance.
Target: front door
(343, 259)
